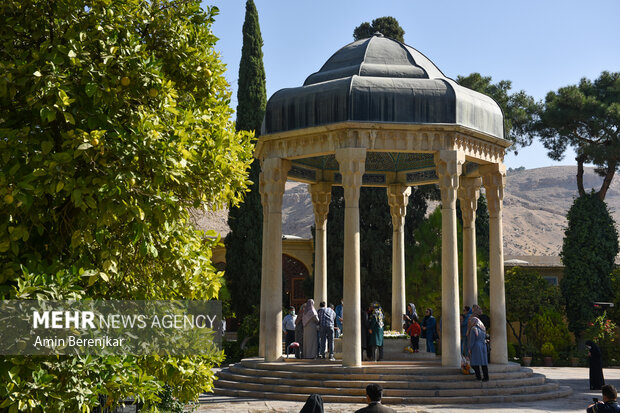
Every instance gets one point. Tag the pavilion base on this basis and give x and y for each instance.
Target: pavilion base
(405, 382)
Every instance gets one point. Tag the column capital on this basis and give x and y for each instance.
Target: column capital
(468, 193)
(449, 164)
(398, 198)
(494, 180)
(274, 172)
(352, 165)
(321, 194)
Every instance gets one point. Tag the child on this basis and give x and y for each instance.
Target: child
(414, 331)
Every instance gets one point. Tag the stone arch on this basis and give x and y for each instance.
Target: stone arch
(294, 273)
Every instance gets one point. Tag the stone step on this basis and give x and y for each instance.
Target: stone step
(481, 390)
(386, 375)
(557, 392)
(418, 368)
(463, 382)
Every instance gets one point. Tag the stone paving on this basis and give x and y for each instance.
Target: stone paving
(575, 377)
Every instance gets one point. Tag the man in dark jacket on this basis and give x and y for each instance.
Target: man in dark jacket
(373, 397)
(609, 403)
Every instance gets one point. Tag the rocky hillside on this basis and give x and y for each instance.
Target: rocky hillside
(535, 206)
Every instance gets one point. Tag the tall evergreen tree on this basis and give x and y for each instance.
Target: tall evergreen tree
(244, 242)
(375, 240)
(588, 252)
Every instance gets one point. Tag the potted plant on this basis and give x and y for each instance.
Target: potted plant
(527, 352)
(547, 350)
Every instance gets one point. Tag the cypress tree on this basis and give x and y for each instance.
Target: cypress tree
(244, 242)
(588, 251)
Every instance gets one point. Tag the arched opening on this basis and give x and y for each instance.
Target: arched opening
(294, 272)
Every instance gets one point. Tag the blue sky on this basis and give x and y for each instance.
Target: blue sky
(539, 45)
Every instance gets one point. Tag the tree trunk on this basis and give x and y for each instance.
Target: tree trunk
(611, 170)
(580, 160)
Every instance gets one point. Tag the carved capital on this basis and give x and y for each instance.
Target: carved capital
(449, 164)
(352, 165)
(274, 172)
(469, 192)
(321, 197)
(398, 198)
(494, 180)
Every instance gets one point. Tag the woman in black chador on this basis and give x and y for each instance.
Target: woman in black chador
(595, 361)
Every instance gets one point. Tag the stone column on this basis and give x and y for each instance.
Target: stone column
(352, 166)
(469, 192)
(449, 164)
(321, 197)
(398, 198)
(494, 179)
(274, 174)
(264, 264)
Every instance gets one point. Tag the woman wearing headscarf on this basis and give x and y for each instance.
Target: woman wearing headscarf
(314, 404)
(410, 316)
(310, 321)
(476, 338)
(429, 324)
(595, 361)
(375, 330)
(299, 332)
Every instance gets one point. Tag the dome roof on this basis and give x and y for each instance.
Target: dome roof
(381, 80)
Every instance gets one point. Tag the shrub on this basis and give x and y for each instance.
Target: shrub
(547, 350)
(548, 327)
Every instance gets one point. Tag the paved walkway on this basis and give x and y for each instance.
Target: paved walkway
(575, 377)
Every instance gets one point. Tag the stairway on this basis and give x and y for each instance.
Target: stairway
(420, 382)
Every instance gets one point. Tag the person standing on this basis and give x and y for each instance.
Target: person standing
(595, 362)
(288, 327)
(310, 321)
(375, 331)
(464, 320)
(414, 332)
(299, 332)
(327, 317)
(429, 325)
(339, 312)
(410, 316)
(476, 335)
(364, 334)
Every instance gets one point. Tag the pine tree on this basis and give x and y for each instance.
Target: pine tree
(588, 252)
(244, 242)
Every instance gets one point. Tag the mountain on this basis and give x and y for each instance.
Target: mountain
(534, 214)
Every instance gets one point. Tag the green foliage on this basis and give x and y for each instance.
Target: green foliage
(512, 351)
(114, 120)
(603, 332)
(585, 117)
(527, 294)
(423, 272)
(614, 312)
(375, 241)
(518, 107)
(388, 26)
(243, 276)
(588, 251)
(248, 331)
(547, 350)
(548, 326)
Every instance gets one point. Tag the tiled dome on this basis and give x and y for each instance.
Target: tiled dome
(381, 80)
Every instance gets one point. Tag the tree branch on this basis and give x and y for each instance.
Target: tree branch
(611, 170)
(580, 160)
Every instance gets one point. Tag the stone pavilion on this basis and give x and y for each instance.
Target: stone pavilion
(380, 113)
